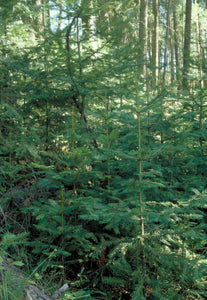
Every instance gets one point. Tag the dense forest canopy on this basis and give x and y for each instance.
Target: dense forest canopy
(103, 146)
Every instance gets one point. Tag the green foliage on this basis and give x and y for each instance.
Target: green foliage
(75, 183)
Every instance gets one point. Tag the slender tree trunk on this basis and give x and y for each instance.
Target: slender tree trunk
(166, 42)
(140, 197)
(60, 16)
(43, 19)
(176, 44)
(199, 51)
(40, 19)
(187, 39)
(81, 97)
(48, 15)
(143, 37)
(172, 66)
(142, 70)
(155, 42)
(200, 70)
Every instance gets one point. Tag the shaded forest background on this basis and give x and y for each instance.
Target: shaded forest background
(103, 146)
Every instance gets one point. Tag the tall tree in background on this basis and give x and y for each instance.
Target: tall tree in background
(155, 41)
(143, 21)
(187, 41)
(166, 50)
(176, 39)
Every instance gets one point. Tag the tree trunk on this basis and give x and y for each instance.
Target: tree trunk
(172, 66)
(40, 18)
(176, 44)
(155, 53)
(187, 39)
(143, 37)
(199, 51)
(166, 42)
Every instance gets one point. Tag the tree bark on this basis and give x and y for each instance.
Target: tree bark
(176, 44)
(187, 39)
(166, 41)
(143, 37)
(172, 66)
(155, 53)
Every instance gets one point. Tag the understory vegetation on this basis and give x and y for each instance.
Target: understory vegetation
(103, 148)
